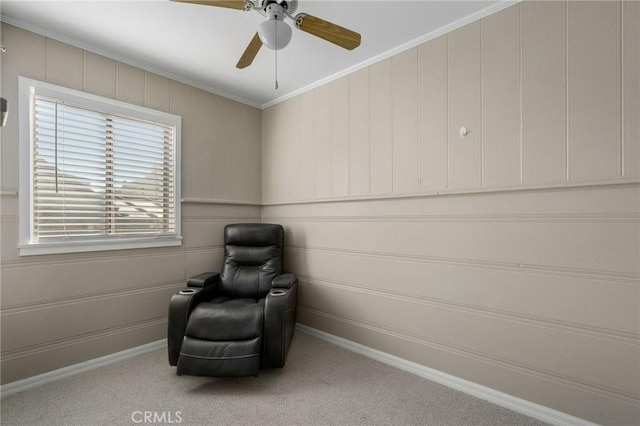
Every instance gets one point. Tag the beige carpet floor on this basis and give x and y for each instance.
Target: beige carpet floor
(321, 385)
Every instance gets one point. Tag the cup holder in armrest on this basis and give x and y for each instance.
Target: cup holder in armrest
(188, 291)
(277, 292)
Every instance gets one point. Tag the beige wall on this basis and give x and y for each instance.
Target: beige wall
(63, 309)
(509, 258)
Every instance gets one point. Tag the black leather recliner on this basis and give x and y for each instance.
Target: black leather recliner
(234, 322)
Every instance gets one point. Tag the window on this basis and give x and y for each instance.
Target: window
(96, 174)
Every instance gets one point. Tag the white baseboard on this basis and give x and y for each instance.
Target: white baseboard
(502, 399)
(72, 370)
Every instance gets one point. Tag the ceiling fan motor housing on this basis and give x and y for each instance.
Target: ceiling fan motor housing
(274, 11)
(288, 6)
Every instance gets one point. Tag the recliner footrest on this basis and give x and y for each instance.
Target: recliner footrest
(220, 359)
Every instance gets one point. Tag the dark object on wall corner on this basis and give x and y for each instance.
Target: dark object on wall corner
(4, 113)
(242, 319)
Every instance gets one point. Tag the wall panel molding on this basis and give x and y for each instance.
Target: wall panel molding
(78, 258)
(220, 219)
(82, 351)
(103, 257)
(192, 200)
(579, 357)
(574, 185)
(88, 297)
(87, 337)
(206, 249)
(475, 218)
(598, 332)
(477, 356)
(622, 277)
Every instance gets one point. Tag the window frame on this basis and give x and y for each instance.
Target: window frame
(27, 89)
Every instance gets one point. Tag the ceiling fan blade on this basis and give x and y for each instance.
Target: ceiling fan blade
(333, 33)
(229, 4)
(250, 52)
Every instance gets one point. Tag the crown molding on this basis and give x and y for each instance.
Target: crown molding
(399, 49)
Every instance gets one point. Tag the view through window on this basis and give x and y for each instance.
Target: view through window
(99, 174)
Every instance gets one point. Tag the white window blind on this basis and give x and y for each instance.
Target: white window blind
(99, 176)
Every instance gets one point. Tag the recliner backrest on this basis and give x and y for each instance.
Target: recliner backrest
(252, 259)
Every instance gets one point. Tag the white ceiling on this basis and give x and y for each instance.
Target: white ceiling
(200, 45)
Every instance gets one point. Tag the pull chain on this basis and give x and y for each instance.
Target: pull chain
(275, 24)
(276, 70)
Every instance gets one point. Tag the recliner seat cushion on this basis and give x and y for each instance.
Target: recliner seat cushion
(224, 319)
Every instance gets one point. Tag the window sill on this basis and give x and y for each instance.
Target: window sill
(35, 249)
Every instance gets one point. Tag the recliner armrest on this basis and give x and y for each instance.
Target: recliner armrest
(279, 324)
(180, 306)
(205, 279)
(286, 280)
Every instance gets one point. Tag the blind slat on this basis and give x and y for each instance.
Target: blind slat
(99, 174)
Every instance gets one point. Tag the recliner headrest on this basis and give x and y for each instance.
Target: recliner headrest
(254, 234)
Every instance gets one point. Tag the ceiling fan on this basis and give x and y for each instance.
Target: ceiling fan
(275, 33)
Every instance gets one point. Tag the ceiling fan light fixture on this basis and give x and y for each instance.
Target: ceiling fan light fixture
(275, 34)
